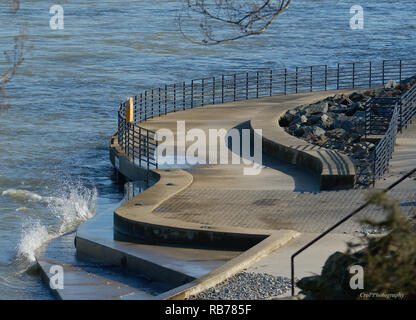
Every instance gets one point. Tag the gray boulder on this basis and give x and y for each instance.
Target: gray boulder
(321, 107)
(318, 131)
(299, 131)
(355, 97)
(391, 84)
(303, 119)
(344, 122)
(338, 133)
(288, 118)
(326, 122)
(360, 114)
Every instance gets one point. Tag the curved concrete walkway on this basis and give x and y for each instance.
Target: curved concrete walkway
(281, 197)
(189, 214)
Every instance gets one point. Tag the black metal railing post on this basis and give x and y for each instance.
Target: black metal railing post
(174, 97)
(166, 99)
(141, 108)
(400, 72)
(183, 96)
(222, 89)
(311, 81)
(370, 75)
(134, 142)
(353, 75)
(257, 85)
(147, 155)
(401, 117)
(213, 90)
(152, 107)
(246, 85)
(235, 86)
(192, 93)
(202, 92)
(140, 146)
(296, 80)
(285, 81)
(338, 77)
(159, 102)
(145, 104)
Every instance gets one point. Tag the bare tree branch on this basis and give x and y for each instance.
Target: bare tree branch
(15, 5)
(14, 58)
(227, 20)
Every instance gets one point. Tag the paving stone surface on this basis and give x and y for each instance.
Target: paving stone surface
(282, 196)
(277, 209)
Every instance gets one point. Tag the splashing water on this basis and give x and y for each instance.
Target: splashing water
(75, 204)
(34, 234)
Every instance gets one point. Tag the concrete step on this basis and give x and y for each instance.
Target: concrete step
(84, 280)
(171, 265)
(96, 266)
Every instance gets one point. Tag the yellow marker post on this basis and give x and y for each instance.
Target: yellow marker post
(129, 110)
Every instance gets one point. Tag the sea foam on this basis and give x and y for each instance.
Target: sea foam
(72, 206)
(25, 195)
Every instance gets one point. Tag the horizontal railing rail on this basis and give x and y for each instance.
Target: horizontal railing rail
(243, 86)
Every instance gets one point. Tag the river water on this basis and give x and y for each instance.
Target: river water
(54, 167)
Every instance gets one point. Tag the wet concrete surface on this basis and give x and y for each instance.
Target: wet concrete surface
(88, 278)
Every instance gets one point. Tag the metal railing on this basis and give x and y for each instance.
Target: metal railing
(378, 112)
(383, 152)
(247, 85)
(346, 218)
(408, 107)
(400, 116)
(386, 117)
(138, 144)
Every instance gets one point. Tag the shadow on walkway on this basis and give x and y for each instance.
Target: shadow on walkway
(304, 181)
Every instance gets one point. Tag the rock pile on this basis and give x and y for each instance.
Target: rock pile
(338, 122)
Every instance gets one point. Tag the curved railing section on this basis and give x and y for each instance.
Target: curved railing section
(385, 117)
(139, 144)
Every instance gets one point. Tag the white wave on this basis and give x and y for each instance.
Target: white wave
(75, 205)
(25, 195)
(22, 209)
(34, 234)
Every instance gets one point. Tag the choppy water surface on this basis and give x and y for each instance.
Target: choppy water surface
(54, 167)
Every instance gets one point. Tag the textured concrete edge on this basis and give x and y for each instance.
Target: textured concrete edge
(305, 159)
(136, 223)
(42, 267)
(273, 242)
(126, 261)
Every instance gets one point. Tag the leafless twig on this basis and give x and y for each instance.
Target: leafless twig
(227, 20)
(14, 59)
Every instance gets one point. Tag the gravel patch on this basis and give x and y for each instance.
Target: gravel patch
(247, 286)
